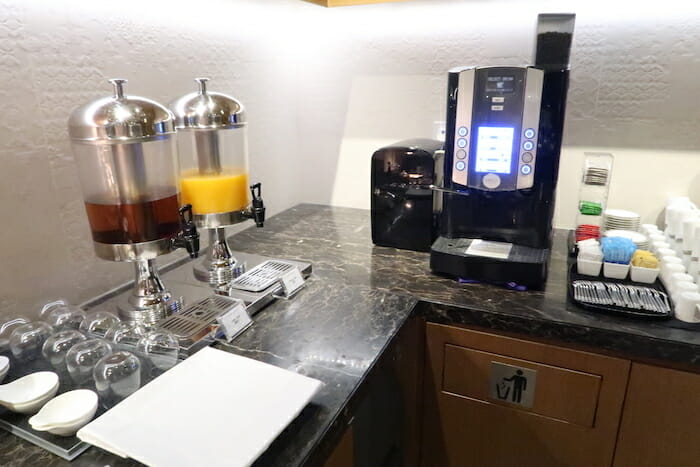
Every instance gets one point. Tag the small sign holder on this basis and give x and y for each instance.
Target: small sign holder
(234, 321)
(292, 282)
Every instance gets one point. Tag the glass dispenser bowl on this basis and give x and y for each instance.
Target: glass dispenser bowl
(213, 150)
(126, 156)
(214, 185)
(125, 150)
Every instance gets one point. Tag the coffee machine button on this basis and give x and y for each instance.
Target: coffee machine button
(491, 181)
(526, 169)
(460, 165)
(461, 154)
(463, 131)
(529, 133)
(461, 142)
(527, 157)
(528, 145)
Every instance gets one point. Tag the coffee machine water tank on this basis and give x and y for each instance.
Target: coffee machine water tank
(402, 200)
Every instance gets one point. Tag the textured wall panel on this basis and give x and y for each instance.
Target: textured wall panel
(323, 88)
(55, 56)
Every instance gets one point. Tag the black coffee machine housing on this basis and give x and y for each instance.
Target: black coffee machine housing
(503, 141)
(402, 198)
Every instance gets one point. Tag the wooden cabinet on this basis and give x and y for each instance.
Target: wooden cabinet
(349, 2)
(661, 421)
(569, 410)
(344, 453)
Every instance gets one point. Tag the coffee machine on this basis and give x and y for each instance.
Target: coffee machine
(503, 140)
(402, 200)
(213, 152)
(124, 147)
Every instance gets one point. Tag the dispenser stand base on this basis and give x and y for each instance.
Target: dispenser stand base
(149, 301)
(214, 276)
(217, 268)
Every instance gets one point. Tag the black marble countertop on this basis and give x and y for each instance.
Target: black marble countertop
(338, 243)
(356, 301)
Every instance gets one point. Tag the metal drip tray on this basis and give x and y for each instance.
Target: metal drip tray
(195, 326)
(262, 276)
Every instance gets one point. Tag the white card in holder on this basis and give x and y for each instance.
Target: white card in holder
(291, 281)
(234, 321)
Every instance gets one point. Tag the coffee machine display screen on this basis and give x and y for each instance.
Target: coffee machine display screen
(494, 149)
(500, 84)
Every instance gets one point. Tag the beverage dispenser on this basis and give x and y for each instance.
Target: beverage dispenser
(125, 150)
(213, 149)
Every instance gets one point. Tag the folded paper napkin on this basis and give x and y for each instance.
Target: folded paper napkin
(215, 408)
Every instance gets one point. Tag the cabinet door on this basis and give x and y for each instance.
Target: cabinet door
(343, 454)
(661, 420)
(498, 401)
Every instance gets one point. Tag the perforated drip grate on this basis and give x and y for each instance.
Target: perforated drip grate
(196, 321)
(262, 276)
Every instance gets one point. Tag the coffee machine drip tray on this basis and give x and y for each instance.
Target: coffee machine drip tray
(493, 262)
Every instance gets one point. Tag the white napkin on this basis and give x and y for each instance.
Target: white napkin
(215, 408)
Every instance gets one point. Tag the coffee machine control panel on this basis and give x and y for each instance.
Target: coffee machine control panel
(496, 126)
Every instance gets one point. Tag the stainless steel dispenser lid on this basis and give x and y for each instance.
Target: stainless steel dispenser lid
(120, 118)
(207, 110)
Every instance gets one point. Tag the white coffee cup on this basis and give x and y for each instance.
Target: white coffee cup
(669, 269)
(650, 228)
(683, 287)
(676, 279)
(686, 307)
(670, 260)
(658, 245)
(666, 252)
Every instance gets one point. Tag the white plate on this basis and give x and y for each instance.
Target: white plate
(621, 214)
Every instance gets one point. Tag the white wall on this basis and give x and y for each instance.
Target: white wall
(57, 55)
(323, 88)
(634, 89)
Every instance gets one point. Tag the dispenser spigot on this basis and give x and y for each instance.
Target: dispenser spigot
(257, 208)
(188, 237)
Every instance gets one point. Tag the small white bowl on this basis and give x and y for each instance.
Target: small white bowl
(615, 270)
(588, 268)
(66, 414)
(29, 393)
(644, 275)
